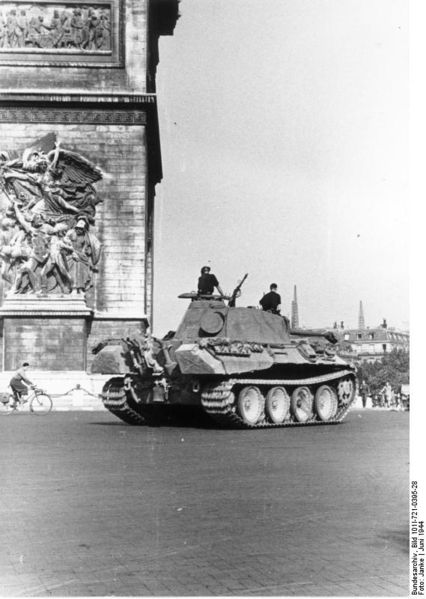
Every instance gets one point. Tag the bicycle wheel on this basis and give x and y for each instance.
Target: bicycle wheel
(41, 404)
(5, 406)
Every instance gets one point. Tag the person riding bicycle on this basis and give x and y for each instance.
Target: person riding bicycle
(19, 384)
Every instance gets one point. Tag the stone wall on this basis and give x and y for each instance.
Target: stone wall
(119, 150)
(46, 343)
(120, 283)
(121, 278)
(100, 102)
(112, 328)
(129, 30)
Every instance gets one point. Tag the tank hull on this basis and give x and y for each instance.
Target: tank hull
(242, 367)
(221, 400)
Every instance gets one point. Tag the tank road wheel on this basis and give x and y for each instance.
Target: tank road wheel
(301, 404)
(325, 403)
(277, 405)
(250, 404)
(345, 390)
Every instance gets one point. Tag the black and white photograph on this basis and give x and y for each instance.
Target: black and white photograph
(208, 214)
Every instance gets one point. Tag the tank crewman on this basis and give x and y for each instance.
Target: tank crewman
(271, 302)
(207, 282)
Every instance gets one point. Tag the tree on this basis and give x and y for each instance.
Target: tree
(393, 368)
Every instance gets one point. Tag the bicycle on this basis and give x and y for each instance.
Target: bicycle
(40, 402)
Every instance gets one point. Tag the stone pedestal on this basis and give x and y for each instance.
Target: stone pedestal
(48, 332)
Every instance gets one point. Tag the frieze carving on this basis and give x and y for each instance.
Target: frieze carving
(47, 242)
(46, 26)
(74, 116)
(54, 32)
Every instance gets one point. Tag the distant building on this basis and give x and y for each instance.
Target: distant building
(368, 344)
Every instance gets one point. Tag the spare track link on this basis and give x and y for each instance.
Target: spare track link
(218, 401)
(115, 400)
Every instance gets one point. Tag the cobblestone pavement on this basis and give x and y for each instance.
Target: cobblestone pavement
(91, 506)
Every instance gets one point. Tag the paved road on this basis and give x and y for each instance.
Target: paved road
(91, 506)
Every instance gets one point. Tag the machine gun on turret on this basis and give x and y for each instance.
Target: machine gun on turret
(237, 292)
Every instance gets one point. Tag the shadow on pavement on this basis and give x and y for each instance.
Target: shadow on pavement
(176, 416)
(194, 417)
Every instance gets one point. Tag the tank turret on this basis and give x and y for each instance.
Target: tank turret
(243, 366)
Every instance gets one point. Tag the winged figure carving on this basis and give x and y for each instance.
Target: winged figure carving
(48, 215)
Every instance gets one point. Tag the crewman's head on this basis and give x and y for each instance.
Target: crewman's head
(205, 270)
(273, 286)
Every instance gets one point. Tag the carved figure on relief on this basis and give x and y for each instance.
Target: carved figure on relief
(47, 242)
(50, 25)
(85, 256)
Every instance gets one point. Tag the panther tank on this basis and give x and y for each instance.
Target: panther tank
(244, 367)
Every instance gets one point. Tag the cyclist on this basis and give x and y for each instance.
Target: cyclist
(19, 384)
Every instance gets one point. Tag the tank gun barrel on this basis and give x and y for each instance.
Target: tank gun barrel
(326, 333)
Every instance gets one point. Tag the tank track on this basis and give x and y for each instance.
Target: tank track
(219, 401)
(115, 399)
(121, 403)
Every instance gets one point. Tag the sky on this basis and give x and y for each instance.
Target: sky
(284, 134)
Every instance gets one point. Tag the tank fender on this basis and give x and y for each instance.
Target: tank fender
(121, 356)
(111, 359)
(193, 359)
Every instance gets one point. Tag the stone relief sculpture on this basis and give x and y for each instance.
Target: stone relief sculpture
(47, 245)
(48, 26)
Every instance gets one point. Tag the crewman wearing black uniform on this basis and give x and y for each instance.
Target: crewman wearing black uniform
(207, 282)
(271, 302)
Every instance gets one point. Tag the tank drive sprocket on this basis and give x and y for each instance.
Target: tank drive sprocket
(116, 400)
